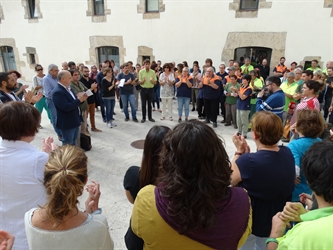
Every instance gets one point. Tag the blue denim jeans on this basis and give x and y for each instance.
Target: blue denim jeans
(157, 97)
(183, 102)
(69, 136)
(53, 113)
(109, 106)
(131, 99)
(101, 103)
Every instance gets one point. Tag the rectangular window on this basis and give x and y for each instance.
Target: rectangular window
(98, 7)
(249, 4)
(32, 58)
(152, 6)
(7, 58)
(108, 53)
(32, 9)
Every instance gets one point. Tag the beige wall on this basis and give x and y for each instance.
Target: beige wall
(206, 29)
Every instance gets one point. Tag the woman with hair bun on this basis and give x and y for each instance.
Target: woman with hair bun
(268, 175)
(60, 220)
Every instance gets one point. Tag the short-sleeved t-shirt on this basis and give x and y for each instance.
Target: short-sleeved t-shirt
(246, 69)
(291, 90)
(147, 84)
(269, 177)
(167, 91)
(244, 104)
(127, 89)
(132, 180)
(298, 148)
(259, 84)
(314, 232)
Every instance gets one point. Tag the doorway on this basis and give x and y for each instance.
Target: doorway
(256, 54)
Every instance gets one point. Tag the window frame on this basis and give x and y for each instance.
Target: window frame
(32, 9)
(115, 57)
(152, 11)
(95, 5)
(7, 65)
(32, 58)
(248, 9)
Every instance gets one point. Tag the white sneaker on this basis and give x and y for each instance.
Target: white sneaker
(113, 124)
(109, 125)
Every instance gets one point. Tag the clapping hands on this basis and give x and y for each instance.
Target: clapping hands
(240, 143)
(93, 199)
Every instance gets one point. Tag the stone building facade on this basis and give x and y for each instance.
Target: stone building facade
(41, 31)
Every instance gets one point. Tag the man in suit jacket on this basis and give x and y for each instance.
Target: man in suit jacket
(67, 106)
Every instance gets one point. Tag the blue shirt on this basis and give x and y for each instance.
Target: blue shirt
(127, 89)
(183, 90)
(298, 148)
(49, 83)
(268, 177)
(274, 103)
(244, 104)
(99, 79)
(211, 93)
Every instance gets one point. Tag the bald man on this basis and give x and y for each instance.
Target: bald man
(67, 106)
(64, 66)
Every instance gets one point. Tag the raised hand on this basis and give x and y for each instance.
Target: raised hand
(6, 240)
(48, 145)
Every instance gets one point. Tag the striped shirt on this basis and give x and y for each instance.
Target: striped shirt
(274, 103)
(306, 103)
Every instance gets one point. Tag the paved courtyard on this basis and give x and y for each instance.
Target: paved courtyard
(112, 154)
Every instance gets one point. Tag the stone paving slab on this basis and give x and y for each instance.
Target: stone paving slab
(112, 154)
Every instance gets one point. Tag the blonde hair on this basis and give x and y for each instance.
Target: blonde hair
(107, 70)
(65, 175)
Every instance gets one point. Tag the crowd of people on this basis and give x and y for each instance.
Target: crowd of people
(187, 193)
(235, 91)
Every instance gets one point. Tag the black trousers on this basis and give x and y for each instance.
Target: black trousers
(200, 107)
(212, 108)
(147, 96)
(222, 103)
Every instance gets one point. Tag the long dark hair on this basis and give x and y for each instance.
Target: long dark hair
(194, 174)
(151, 150)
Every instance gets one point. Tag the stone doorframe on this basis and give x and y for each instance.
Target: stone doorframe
(11, 42)
(101, 41)
(145, 51)
(274, 40)
(310, 58)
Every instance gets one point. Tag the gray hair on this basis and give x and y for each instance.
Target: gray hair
(291, 74)
(51, 66)
(318, 72)
(61, 74)
(297, 70)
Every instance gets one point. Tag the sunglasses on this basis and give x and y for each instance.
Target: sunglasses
(39, 69)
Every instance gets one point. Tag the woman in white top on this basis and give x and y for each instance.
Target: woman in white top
(21, 168)
(37, 83)
(59, 224)
(167, 79)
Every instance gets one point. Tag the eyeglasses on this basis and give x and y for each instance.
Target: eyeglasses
(39, 69)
